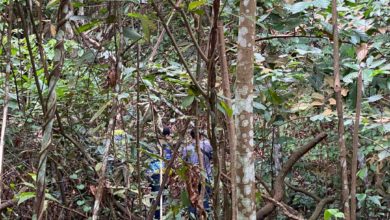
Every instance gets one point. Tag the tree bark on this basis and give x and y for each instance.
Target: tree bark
(361, 52)
(339, 106)
(245, 161)
(229, 118)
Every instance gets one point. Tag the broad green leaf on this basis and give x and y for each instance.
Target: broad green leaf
(147, 24)
(228, 111)
(362, 173)
(299, 7)
(329, 213)
(185, 200)
(50, 197)
(29, 185)
(375, 200)
(24, 196)
(73, 176)
(80, 186)
(120, 193)
(131, 34)
(259, 106)
(80, 202)
(87, 208)
(33, 176)
(361, 196)
(187, 101)
(88, 26)
(196, 4)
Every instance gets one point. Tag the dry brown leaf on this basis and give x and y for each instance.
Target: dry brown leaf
(329, 80)
(332, 101)
(316, 103)
(53, 30)
(317, 96)
(362, 51)
(344, 92)
(327, 112)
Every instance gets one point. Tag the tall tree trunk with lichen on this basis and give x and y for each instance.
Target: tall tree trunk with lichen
(339, 106)
(63, 10)
(245, 166)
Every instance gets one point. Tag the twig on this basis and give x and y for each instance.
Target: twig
(69, 209)
(181, 57)
(161, 37)
(310, 194)
(190, 32)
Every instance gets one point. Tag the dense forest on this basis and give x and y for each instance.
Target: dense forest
(195, 109)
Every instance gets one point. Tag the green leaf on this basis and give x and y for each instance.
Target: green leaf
(361, 196)
(80, 202)
(362, 173)
(131, 34)
(185, 198)
(298, 7)
(50, 197)
(147, 24)
(80, 186)
(24, 196)
(120, 193)
(332, 212)
(33, 176)
(227, 110)
(87, 208)
(187, 101)
(375, 200)
(29, 185)
(196, 4)
(88, 26)
(259, 106)
(74, 176)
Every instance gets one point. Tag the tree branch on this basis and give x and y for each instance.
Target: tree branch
(279, 181)
(181, 57)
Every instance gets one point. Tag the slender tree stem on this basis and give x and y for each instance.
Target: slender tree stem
(339, 107)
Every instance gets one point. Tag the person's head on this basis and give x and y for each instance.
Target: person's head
(166, 131)
(192, 133)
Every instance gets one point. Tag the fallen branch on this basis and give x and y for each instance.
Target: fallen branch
(284, 208)
(279, 181)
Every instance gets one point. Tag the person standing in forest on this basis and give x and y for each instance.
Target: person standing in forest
(190, 156)
(157, 166)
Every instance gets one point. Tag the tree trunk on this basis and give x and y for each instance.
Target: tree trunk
(245, 166)
(229, 119)
(49, 116)
(361, 53)
(339, 106)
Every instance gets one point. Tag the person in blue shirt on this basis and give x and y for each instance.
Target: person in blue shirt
(190, 155)
(157, 166)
